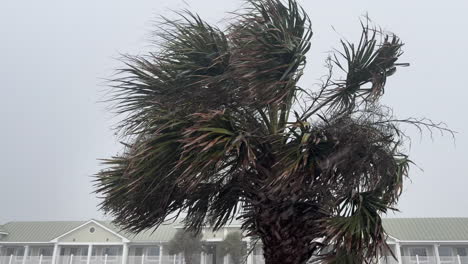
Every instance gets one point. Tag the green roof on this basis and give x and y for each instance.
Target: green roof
(164, 232)
(47, 231)
(427, 229)
(404, 229)
(37, 231)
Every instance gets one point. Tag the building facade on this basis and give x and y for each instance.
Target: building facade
(413, 241)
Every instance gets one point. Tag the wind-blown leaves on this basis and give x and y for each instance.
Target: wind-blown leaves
(213, 129)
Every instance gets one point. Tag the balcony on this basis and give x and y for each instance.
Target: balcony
(28, 260)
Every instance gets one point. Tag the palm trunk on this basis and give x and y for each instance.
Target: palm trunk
(286, 232)
(285, 251)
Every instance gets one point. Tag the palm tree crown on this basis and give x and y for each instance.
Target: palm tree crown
(216, 126)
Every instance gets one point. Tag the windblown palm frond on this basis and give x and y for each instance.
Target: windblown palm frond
(213, 129)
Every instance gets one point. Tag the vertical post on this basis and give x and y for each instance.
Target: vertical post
(124, 253)
(175, 255)
(417, 259)
(160, 253)
(90, 253)
(398, 253)
(202, 258)
(55, 253)
(436, 253)
(143, 258)
(11, 258)
(459, 259)
(40, 259)
(71, 259)
(105, 259)
(26, 253)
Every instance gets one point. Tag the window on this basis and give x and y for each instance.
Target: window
(445, 251)
(10, 251)
(420, 251)
(461, 252)
(74, 251)
(46, 252)
(153, 251)
(138, 251)
(20, 251)
(110, 251)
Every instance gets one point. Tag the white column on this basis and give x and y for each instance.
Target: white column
(26, 253)
(124, 253)
(11, 258)
(40, 259)
(202, 258)
(436, 253)
(459, 259)
(398, 253)
(90, 253)
(160, 254)
(105, 259)
(55, 253)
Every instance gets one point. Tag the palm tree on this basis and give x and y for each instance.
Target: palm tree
(216, 126)
(188, 243)
(234, 247)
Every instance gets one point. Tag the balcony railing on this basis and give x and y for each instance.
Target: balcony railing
(165, 259)
(28, 260)
(453, 260)
(419, 260)
(171, 259)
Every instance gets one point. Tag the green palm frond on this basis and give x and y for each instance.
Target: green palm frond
(214, 127)
(270, 41)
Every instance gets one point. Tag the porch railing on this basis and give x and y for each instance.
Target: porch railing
(29, 260)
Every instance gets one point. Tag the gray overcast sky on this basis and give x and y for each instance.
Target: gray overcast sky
(54, 54)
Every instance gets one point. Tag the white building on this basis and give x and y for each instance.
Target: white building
(414, 241)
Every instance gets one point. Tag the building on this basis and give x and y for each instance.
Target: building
(413, 240)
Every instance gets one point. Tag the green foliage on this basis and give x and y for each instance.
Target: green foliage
(233, 246)
(216, 126)
(188, 243)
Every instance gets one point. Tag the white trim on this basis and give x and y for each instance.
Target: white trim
(124, 239)
(87, 243)
(26, 253)
(89, 255)
(214, 240)
(148, 243)
(435, 241)
(125, 253)
(161, 253)
(3, 233)
(436, 253)
(55, 253)
(392, 237)
(25, 242)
